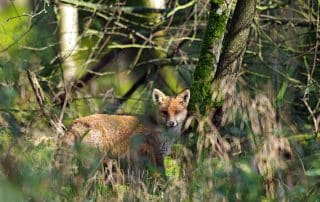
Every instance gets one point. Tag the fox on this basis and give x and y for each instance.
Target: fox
(140, 139)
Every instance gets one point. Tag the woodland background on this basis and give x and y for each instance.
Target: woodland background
(252, 67)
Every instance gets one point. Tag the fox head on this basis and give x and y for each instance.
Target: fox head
(172, 110)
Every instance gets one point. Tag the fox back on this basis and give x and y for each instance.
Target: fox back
(123, 135)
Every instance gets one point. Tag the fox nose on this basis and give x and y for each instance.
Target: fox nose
(171, 124)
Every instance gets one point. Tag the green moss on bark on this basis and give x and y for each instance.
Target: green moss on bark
(201, 87)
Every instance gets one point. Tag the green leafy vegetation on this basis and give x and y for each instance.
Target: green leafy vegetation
(260, 142)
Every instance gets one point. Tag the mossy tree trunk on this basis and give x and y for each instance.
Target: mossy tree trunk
(201, 93)
(213, 71)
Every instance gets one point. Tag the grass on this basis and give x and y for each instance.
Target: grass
(27, 174)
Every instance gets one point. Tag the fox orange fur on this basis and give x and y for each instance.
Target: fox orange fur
(116, 134)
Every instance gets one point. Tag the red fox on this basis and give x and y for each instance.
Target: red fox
(140, 139)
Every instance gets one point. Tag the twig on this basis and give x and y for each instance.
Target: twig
(315, 119)
(37, 90)
(102, 7)
(124, 46)
(181, 7)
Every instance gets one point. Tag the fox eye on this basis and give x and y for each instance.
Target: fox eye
(177, 111)
(165, 113)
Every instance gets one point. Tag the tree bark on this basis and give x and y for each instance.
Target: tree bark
(68, 29)
(228, 71)
(234, 48)
(201, 92)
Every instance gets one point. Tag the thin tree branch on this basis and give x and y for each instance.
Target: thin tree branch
(38, 92)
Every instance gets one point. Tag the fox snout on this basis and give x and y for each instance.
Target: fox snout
(172, 109)
(171, 124)
(175, 118)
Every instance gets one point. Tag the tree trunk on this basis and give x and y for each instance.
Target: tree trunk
(209, 56)
(68, 28)
(224, 82)
(235, 45)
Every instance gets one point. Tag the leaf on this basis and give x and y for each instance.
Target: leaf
(172, 167)
(313, 172)
(245, 168)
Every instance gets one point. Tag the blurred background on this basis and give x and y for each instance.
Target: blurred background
(63, 59)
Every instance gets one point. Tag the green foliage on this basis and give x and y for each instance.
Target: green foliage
(278, 64)
(172, 167)
(33, 177)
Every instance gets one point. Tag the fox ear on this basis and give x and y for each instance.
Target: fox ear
(158, 96)
(184, 96)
